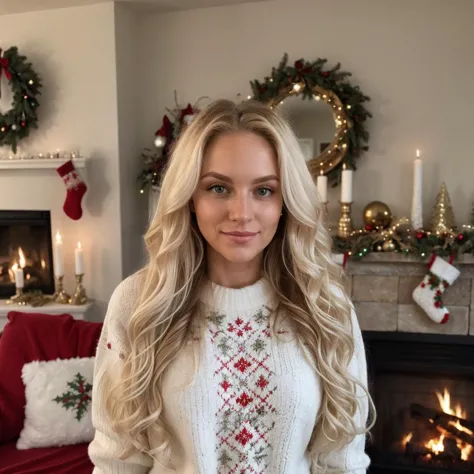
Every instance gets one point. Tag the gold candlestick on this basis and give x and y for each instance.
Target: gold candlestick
(345, 222)
(19, 298)
(79, 296)
(60, 296)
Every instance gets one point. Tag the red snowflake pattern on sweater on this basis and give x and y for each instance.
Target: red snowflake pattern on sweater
(246, 413)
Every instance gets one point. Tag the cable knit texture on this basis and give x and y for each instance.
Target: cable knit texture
(241, 400)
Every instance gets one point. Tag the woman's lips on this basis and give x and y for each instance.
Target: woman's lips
(240, 237)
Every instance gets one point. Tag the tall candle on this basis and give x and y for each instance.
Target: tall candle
(79, 259)
(19, 276)
(346, 186)
(58, 256)
(417, 202)
(322, 184)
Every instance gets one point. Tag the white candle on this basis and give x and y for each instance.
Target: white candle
(79, 259)
(417, 205)
(346, 186)
(19, 277)
(322, 183)
(58, 256)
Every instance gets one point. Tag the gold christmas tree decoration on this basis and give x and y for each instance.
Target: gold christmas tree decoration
(442, 218)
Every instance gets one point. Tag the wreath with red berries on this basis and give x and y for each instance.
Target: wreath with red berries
(25, 83)
(347, 100)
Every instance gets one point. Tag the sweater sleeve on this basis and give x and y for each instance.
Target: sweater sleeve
(352, 459)
(106, 443)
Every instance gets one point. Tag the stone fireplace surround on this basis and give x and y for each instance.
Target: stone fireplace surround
(381, 286)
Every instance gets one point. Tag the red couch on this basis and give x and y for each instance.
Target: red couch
(28, 337)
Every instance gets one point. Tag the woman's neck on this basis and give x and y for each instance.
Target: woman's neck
(232, 274)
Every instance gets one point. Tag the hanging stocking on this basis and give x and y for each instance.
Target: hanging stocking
(76, 189)
(428, 294)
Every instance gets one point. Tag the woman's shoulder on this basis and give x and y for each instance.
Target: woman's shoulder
(124, 299)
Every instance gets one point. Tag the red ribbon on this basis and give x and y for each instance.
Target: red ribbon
(4, 67)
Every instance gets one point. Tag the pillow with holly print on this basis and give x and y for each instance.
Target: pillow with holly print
(58, 403)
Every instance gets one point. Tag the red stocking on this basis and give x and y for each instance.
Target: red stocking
(76, 189)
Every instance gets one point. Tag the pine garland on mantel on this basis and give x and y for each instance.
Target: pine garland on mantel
(419, 244)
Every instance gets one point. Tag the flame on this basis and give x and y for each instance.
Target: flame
(79, 246)
(22, 258)
(58, 237)
(28, 276)
(436, 446)
(15, 266)
(406, 439)
(445, 404)
(43, 264)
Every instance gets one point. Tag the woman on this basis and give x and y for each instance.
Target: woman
(236, 349)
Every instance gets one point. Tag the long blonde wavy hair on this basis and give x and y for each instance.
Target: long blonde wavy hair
(297, 263)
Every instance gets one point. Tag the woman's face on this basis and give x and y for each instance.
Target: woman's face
(238, 201)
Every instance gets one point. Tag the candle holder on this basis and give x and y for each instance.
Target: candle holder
(60, 296)
(20, 298)
(345, 221)
(79, 297)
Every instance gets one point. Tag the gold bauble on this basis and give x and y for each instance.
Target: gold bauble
(378, 215)
(389, 246)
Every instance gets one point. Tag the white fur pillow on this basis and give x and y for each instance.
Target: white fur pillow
(58, 403)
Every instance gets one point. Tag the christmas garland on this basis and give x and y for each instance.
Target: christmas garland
(156, 160)
(303, 77)
(25, 84)
(399, 238)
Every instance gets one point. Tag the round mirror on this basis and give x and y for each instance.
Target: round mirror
(313, 123)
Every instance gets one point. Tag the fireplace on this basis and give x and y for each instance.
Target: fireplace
(25, 241)
(423, 389)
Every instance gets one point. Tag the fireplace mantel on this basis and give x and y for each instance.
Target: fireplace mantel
(381, 285)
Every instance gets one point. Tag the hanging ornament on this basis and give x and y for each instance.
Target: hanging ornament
(442, 219)
(160, 141)
(165, 133)
(377, 214)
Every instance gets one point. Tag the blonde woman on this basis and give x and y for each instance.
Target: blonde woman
(235, 350)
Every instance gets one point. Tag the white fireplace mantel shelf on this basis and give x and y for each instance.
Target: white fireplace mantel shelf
(39, 163)
(76, 311)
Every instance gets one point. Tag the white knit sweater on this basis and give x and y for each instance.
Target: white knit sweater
(252, 405)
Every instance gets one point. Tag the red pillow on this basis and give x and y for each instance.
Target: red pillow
(35, 336)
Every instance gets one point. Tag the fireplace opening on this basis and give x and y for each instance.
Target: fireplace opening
(423, 389)
(25, 242)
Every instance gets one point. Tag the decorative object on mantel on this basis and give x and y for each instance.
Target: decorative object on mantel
(377, 215)
(417, 201)
(428, 294)
(37, 298)
(76, 188)
(442, 219)
(25, 83)
(312, 81)
(417, 243)
(155, 161)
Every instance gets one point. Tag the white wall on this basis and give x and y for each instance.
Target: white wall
(73, 50)
(133, 205)
(414, 58)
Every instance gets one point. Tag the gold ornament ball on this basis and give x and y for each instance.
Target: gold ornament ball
(378, 215)
(388, 246)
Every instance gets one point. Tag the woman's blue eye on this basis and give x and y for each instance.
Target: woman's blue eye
(218, 189)
(264, 192)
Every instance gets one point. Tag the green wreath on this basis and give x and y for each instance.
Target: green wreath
(25, 84)
(308, 78)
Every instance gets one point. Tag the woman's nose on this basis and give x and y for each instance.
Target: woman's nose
(240, 208)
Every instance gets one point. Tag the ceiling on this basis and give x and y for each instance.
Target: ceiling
(21, 6)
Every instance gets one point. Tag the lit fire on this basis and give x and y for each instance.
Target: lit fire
(436, 445)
